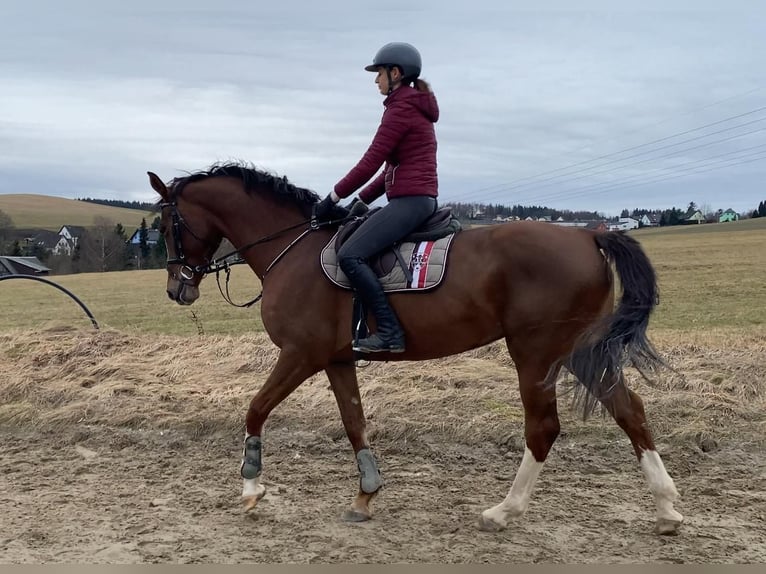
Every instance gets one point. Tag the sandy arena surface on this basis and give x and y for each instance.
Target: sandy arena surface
(110, 458)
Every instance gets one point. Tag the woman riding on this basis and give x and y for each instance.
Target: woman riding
(406, 143)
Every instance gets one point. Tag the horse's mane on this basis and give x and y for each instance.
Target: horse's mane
(252, 179)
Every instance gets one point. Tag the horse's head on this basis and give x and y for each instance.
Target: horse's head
(191, 240)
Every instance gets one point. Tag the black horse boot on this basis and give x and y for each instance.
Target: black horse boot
(389, 336)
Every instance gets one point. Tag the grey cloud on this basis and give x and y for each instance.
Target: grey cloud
(96, 94)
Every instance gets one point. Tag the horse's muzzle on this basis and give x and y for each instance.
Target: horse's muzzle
(182, 293)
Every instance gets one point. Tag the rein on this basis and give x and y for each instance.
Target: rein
(188, 271)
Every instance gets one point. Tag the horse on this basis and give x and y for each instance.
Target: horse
(549, 291)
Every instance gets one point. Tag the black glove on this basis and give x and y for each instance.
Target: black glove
(357, 208)
(327, 210)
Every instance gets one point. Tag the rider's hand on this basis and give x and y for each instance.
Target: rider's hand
(357, 208)
(327, 210)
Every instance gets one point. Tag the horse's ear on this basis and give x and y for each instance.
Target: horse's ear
(158, 185)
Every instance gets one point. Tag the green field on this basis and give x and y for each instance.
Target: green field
(710, 276)
(30, 211)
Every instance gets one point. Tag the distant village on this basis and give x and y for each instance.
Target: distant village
(487, 215)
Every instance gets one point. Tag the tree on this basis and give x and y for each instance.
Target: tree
(6, 228)
(143, 240)
(102, 248)
(159, 255)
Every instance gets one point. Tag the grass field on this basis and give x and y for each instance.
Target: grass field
(30, 211)
(710, 276)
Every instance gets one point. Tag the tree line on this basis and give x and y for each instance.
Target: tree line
(140, 205)
(474, 211)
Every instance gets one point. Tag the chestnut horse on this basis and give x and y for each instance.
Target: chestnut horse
(547, 290)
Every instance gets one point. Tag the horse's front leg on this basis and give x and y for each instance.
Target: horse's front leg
(344, 385)
(289, 372)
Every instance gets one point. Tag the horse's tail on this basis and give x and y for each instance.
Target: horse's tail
(621, 340)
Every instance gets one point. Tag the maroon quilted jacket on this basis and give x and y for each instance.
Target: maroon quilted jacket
(406, 143)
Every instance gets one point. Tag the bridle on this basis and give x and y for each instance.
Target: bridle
(187, 271)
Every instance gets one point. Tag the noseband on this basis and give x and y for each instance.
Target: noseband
(186, 271)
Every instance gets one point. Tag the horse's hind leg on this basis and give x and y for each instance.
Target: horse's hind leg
(344, 385)
(628, 411)
(541, 427)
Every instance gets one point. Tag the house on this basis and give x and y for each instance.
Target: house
(70, 235)
(728, 215)
(29, 239)
(694, 217)
(22, 266)
(72, 232)
(153, 236)
(628, 223)
(622, 225)
(46, 239)
(649, 220)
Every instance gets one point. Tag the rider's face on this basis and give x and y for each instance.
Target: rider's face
(382, 79)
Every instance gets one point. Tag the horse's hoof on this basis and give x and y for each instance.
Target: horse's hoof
(487, 524)
(667, 527)
(354, 515)
(249, 501)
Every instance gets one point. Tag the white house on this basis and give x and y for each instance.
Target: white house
(649, 220)
(628, 223)
(69, 236)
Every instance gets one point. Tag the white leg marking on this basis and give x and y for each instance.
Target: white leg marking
(661, 486)
(252, 487)
(517, 501)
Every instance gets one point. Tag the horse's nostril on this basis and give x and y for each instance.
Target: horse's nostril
(171, 296)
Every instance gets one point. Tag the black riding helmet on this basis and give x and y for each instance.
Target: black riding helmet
(400, 54)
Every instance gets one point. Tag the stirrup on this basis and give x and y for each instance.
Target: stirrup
(374, 344)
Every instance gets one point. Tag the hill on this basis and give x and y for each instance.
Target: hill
(30, 211)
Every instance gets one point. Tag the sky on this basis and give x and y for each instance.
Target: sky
(602, 107)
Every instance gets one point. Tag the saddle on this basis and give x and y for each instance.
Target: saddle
(417, 262)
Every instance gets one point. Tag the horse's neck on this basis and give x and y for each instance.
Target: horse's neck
(264, 223)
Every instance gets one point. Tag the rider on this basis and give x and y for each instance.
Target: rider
(406, 142)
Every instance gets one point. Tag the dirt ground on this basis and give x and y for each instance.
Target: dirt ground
(115, 450)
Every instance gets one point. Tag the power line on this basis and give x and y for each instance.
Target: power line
(642, 177)
(660, 158)
(509, 186)
(620, 186)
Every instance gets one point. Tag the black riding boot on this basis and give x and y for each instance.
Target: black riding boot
(389, 336)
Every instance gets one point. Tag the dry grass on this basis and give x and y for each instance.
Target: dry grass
(709, 275)
(59, 378)
(32, 211)
(131, 302)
